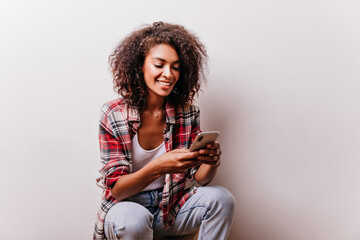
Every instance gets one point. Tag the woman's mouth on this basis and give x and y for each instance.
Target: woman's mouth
(163, 83)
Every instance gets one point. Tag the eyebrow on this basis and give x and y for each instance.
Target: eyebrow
(163, 60)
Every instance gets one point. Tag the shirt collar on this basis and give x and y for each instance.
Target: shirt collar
(133, 115)
(170, 113)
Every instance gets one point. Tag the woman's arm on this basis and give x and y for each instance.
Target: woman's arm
(210, 159)
(176, 161)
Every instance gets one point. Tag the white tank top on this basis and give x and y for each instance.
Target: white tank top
(141, 157)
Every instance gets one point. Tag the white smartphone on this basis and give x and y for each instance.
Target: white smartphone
(202, 139)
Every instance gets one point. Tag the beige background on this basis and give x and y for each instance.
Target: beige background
(283, 91)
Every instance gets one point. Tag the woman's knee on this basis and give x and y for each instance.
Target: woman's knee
(128, 219)
(220, 196)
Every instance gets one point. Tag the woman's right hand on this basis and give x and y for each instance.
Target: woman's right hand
(176, 161)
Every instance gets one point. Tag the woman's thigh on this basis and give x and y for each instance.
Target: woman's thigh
(128, 220)
(196, 209)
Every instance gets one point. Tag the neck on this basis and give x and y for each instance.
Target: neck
(154, 103)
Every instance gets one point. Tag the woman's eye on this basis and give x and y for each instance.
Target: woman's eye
(176, 68)
(158, 66)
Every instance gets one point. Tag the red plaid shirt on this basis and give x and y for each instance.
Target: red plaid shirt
(118, 125)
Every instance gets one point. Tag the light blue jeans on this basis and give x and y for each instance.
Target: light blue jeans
(210, 210)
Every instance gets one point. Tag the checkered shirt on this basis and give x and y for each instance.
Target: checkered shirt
(118, 125)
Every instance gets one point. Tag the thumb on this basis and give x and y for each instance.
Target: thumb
(190, 155)
(181, 150)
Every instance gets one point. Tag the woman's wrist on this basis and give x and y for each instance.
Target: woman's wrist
(154, 169)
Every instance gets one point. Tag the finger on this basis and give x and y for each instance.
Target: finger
(181, 150)
(189, 155)
(190, 164)
(208, 158)
(208, 151)
(213, 145)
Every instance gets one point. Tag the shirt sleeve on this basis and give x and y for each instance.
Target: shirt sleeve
(195, 130)
(112, 154)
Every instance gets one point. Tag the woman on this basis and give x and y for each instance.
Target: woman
(144, 140)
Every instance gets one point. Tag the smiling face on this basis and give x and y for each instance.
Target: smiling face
(161, 70)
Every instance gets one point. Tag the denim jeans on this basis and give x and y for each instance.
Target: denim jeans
(210, 210)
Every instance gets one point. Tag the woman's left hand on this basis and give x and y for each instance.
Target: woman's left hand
(211, 154)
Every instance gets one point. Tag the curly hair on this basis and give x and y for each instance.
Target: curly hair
(128, 58)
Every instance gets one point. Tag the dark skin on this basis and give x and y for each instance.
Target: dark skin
(161, 71)
(150, 133)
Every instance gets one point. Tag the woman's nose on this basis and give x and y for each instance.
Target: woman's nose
(167, 72)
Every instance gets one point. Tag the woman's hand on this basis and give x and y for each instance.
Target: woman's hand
(211, 154)
(176, 161)
(210, 159)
